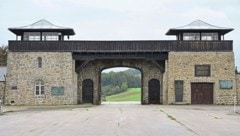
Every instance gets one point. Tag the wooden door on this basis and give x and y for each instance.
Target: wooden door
(87, 91)
(154, 91)
(202, 93)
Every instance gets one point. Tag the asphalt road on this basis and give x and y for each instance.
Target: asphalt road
(122, 120)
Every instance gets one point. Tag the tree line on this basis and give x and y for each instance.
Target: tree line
(117, 82)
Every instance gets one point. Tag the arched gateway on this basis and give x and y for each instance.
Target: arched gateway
(92, 70)
(173, 72)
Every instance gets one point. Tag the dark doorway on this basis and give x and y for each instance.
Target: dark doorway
(87, 91)
(202, 93)
(154, 91)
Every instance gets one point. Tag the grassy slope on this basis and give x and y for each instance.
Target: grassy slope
(132, 94)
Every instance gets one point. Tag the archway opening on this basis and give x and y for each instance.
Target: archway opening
(121, 84)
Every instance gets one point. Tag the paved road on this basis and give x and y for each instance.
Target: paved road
(122, 120)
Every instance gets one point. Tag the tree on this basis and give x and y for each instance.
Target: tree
(117, 82)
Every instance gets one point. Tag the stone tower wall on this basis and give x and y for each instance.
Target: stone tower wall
(238, 87)
(181, 66)
(57, 71)
(2, 86)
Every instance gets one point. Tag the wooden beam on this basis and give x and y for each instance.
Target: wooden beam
(82, 65)
(159, 66)
(159, 56)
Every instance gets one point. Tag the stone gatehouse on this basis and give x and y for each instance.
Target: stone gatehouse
(46, 68)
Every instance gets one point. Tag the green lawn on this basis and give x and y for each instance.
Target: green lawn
(132, 94)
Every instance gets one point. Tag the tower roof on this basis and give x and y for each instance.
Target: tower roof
(42, 26)
(198, 26)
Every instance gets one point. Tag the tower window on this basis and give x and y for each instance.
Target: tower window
(191, 36)
(39, 88)
(39, 62)
(209, 36)
(50, 36)
(31, 36)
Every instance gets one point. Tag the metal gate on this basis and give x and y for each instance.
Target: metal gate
(202, 93)
(154, 91)
(87, 93)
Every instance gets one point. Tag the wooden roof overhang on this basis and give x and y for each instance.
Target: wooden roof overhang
(199, 26)
(42, 26)
(20, 32)
(177, 31)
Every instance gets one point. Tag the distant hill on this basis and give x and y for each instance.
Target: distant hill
(117, 82)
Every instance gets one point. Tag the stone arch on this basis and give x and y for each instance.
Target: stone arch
(92, 70)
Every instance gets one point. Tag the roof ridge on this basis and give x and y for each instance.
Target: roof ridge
(200, 21)
(44, 20)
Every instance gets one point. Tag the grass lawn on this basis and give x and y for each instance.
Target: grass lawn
(132, 94)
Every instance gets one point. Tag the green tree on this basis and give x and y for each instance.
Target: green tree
(117, 82)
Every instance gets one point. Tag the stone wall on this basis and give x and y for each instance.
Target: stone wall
(94, 68)
(58, 70)
(238, 86)
(2, 85)
(181, 66)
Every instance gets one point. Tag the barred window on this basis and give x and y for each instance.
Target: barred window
(39, 88)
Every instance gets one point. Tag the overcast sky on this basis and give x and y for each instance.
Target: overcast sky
(121, 19)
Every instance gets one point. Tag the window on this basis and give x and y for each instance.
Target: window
(209, 36)
(202, 70)
(50, 36)
(191, 36)
(179, 90)
(31, 36)
(39, 88)
(39, 62)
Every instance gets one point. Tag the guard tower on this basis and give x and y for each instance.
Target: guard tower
(199, 31)
(201, 76)
(42, 30)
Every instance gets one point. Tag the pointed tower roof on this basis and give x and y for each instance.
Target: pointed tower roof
(198, 26)
(42, 26)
